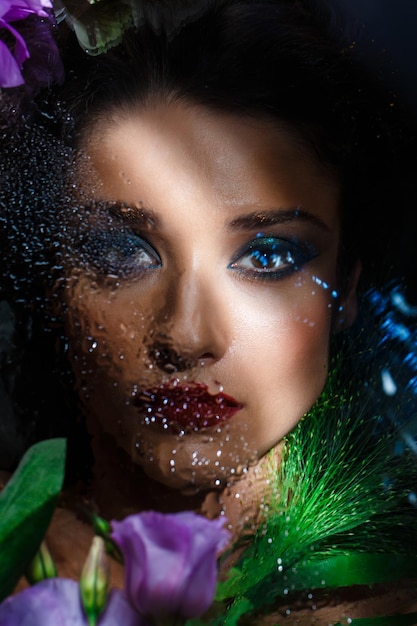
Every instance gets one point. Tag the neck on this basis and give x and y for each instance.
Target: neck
(120, 488)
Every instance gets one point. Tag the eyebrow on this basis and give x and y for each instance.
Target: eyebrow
(145, 217)
(257, 219)
(134, 213)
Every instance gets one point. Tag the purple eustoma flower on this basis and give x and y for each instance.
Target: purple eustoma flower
(170, 562)
(56, 602)
(12, 13)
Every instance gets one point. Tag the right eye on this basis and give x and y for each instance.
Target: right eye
(119, 253)
(271, 258)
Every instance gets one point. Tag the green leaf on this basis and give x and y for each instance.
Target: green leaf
(239, 607)
(345, 570)
(342, 570)
(26, 507)
(231, 586)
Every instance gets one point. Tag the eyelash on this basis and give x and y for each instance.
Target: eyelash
(123, 253)
(287, 257)
(119, 253)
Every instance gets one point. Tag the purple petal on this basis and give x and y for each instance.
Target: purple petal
(10, 74)
(170, 561)
(33, 40)
(119, 612)
(56, 602)
(20, 9)
(21, 53)
(48, 603)
(45, 65)
(201, 585)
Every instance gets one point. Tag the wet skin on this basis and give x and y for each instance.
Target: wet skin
(208, 256)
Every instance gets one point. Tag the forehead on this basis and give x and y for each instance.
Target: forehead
(233, 159)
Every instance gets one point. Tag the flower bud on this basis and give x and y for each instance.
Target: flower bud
(94, 581)
(170, 563)
(101, 526)
(42, 566)
(104, 530)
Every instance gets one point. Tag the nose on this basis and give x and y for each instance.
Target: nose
(192, 326)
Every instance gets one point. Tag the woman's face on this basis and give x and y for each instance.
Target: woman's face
(202, 289)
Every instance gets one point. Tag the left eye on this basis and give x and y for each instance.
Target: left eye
(271, 257)
(119, 253)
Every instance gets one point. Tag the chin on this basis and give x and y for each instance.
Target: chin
(189, 475)
(183, 481)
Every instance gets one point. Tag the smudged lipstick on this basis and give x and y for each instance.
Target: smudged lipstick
(186, 407)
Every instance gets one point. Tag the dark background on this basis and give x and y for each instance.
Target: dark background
(385, 32)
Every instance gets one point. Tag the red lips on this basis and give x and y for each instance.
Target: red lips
(186, 406)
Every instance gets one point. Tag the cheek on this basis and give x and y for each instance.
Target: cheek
(284, 363)
(293, 324)
(304, 353)
(114, 325)
(106, 354)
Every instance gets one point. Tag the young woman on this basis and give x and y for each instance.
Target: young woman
(223, 168)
